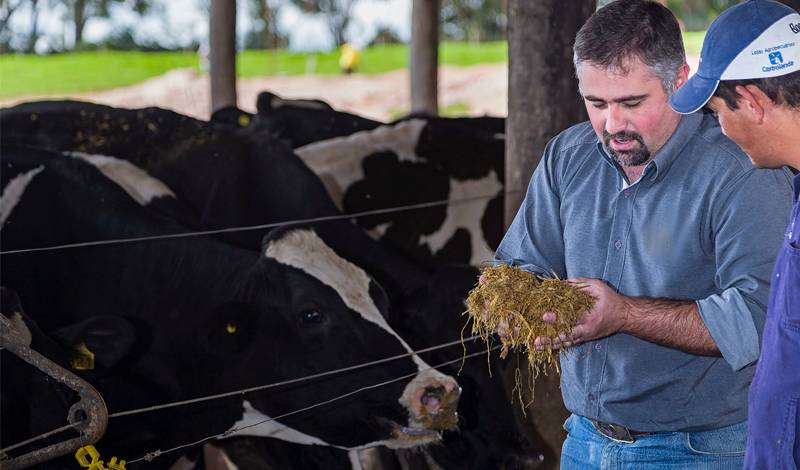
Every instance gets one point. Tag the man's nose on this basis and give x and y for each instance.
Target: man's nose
(615, 120)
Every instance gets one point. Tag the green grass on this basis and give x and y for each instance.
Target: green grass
(84, 71)
(95, 71)
(378, 59)
(693, 41)
(455, 110)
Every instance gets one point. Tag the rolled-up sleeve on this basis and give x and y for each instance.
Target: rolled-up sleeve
(748, 237)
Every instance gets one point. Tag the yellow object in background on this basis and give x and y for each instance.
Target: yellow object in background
(349, 58)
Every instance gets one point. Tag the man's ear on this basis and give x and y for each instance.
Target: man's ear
(754, 101)
(682, 75)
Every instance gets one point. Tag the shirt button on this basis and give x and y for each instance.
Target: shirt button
(598, 346)
(591, 397)
(626, 192)
(618, 244)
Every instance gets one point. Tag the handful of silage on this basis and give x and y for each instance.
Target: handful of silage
(519, 299)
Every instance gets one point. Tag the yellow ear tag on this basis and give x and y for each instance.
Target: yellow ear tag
(82, 358)
(113, 465)
(231, 328)
(96, 463)
(244, 120)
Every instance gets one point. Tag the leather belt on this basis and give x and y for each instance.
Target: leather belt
(618, 433)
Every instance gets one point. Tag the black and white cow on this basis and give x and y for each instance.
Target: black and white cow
(489, 435)
(226, 178)
(288, 181)
(211, 317)
(413, 162)
(418, 159)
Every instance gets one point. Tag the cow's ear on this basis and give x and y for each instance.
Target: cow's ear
(264, 102)
(99, 343)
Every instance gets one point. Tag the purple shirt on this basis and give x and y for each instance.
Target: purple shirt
(773, 428)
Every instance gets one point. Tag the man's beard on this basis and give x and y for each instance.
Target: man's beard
(634, 157)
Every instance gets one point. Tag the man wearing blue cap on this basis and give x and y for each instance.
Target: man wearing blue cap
(749, 75)
(667, 223)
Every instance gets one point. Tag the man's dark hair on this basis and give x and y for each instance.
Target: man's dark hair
(783, 90)
(627, 29)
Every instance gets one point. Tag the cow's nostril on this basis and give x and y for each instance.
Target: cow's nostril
(430, 403)
(439, 404)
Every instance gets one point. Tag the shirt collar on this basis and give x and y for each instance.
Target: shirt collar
(665, 157)
(796, 182)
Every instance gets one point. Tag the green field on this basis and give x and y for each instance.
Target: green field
(94, 71)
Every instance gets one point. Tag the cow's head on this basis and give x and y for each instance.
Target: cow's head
(303, 311)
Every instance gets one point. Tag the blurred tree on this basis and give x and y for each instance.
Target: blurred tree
(265, 33)
(384, 35)
(81, 10)
(33, 34)
(336, 12)
(697, 15)
(7, 8)
(473, 20)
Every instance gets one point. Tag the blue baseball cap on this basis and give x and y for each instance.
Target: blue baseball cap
(754, 39)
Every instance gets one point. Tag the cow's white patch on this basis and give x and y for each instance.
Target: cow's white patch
(19, 327)
(270, 428)
(216, 458)
(305, 250)
(355, 459)
(466, 215)
(338, 161)
(379, 230)
(183, 464)
(142, 187)
(13, 192)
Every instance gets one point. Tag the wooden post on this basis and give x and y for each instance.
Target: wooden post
(543, 100)
(222, 53)
(424, 56)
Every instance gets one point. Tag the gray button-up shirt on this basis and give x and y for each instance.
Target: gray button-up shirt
(700, 224)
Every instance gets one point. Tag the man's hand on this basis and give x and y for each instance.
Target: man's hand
(608, 316)
(502, 328)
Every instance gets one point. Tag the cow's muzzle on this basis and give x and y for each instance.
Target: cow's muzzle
(431, 400)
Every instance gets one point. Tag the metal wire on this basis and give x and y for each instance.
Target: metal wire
(263, 226)
(149, 457)
(287, 382)
(242, 392)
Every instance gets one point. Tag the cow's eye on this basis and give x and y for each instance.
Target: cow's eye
(311, 316)
(231, 327)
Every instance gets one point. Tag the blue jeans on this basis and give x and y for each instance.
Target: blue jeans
(719, 449)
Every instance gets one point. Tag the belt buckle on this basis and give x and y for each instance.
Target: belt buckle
(614, 432)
